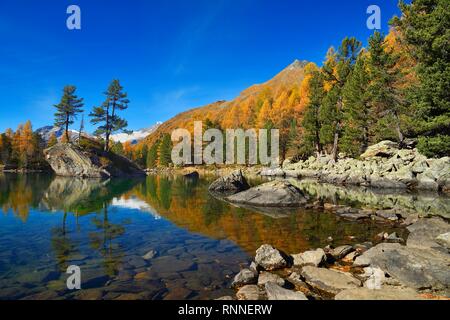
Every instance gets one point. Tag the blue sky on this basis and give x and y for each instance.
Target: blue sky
(170, 55)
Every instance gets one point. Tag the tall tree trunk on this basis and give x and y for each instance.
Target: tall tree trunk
(107, 130)
(336, 132)
(398, 129)
(67, 128)
(334, 152)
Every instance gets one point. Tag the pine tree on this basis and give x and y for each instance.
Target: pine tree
(116, 100)
(336, 69)
(425, 26)
(311, 123)
(52, 140)
(165, 151)
(152, 156)
(67, 109)
(385, 97)
(357, 118)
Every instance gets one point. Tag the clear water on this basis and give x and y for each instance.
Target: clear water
(49, 223)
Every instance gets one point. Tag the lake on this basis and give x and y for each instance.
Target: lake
(199, 243)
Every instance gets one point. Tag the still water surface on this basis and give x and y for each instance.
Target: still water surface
(106, 227)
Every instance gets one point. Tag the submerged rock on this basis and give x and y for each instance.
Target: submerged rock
(150, 255)
(271, 194)
(275, 292)
(72, 161)
(230, 184)
(270, 258)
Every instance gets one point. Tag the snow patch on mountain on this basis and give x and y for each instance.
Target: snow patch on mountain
(135, 136)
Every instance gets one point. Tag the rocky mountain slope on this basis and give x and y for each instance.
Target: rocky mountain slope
(283, 95)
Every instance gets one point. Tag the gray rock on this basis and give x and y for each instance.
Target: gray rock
(230, 184)
(355, 216)
(270, 258)
(265, 277)
(414, 267)
(375, 278)
(444, 240)
(384, 149)
(309, 258)
(423, 233)
(229, 298)
(245, 276)
(170, 264)
(272, 172)
(394, 238)
(387, 214)
(385, 293)
(71, 161)
(296, 280)
(341, 251)
(254, 267)
(250, 292)
(271, 194)
(275, 292)
(150, 255)
(328, 280)
(426, 181)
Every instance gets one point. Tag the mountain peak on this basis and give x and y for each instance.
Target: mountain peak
(297, 64)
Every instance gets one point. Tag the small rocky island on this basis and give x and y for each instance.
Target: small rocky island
(69, 160)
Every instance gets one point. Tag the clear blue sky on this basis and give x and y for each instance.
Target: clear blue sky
(170, 55)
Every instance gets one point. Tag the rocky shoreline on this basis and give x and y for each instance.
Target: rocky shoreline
(392, 269)
(386, 267)
(383, 165)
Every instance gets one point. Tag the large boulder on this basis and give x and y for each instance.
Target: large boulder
(383, 149)
(271, 194)
(270, 258)
(424, 232)
(72, 161)
(415, 267)
(328, 280)
(230, 184)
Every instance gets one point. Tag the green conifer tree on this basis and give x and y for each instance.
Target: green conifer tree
(116, 100)
(67, 110)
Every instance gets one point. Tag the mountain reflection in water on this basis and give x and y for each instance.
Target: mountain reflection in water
(106, 227)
